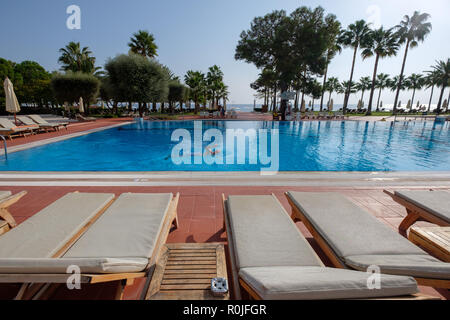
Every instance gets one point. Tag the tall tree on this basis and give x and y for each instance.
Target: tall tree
(352, 37)
(415, 82)
(379, 43)
(76, 59)
(431, 81)
(214, 79)
(411, 31)
(382, 83)
(197, 83)
(334, 47)
(442, 69)
(363, 85)
(332, 85)
(288, 45)
(143, 43)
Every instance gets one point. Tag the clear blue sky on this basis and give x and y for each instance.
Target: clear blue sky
(196, 34)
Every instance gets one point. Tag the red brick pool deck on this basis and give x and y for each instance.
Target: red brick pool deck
(200, 220)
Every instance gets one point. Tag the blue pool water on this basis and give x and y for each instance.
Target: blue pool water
(304, 146)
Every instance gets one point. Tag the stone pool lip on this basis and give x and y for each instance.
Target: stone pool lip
(424, 179)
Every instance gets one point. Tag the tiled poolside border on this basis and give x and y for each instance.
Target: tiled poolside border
(222, 178)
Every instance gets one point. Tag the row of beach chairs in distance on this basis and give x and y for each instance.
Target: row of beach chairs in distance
(337, 115)
(120, 239)
(216, 114)
(31, 124)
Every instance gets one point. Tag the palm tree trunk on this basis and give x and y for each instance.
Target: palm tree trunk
(329, 98)
(440, 100)
(400, 80)
(378, 102)
(296, 101)
(431, 98)
(323, 85)
(412, 100)
(347, 93)
(372, 90)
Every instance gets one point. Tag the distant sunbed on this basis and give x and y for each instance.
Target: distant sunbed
(85, 119)
(353, 238)
(44, 123)
(107, 240)
(431, 206)
(271, 259)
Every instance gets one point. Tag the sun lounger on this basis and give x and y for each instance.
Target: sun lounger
(431, 206)
(271, 259)
(10, 129)
(85, 119)
(107, 242)
(6, 200)
(353, 238)
(45, 124)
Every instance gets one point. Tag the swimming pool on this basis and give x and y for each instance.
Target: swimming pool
(303, 146)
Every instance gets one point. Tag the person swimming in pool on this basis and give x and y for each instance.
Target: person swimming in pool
(209, 150)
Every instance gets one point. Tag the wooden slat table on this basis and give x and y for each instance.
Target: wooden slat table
(184, 272)
(435, 240)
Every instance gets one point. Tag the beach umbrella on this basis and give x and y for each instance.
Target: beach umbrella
(360, 105)
(330, 107)
(408, 105)
(81, 105)
(12, 105)
(445, 105)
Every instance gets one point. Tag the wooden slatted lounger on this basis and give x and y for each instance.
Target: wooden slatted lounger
(431, 206)
(6, 200)
(271, 259)
(352, 238)
(108, 240)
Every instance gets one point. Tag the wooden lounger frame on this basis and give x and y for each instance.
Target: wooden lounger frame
(297, 214)
(41, 286)
(241, 288)
(4, 213)
(414, 214)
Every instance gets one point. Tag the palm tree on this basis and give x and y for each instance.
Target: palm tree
(353, 37)
(430, 82)
(222, 93)
(75, 59)
(344, 89)
(442, 69)
(411, 30)
(380, 43)
(214, 79)
(332, 85)
(143, 43)
(415, 82)
(196, 82)
(383, 82)
(363, 85)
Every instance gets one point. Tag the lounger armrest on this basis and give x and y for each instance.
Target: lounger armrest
(61, 265)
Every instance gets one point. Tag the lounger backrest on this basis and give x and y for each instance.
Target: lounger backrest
(349, 229)
(27, 121)
(46, 232)
(434, 202)
(127, 229)
(38, 119)
(5, 123)
(264, 235)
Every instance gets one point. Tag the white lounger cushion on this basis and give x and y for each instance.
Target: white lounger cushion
(307, 283)
(264, 235)
(435, 202)
(127, 229)
(422, 266)
(46, 232)
(351, 231)
(4, 194)
(59, 266)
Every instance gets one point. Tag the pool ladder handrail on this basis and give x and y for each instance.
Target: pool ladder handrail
(5, 147)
